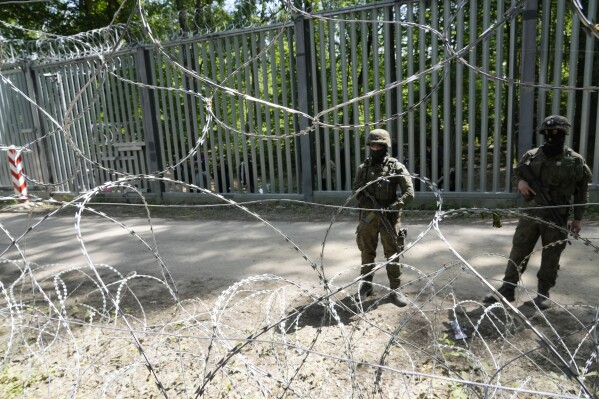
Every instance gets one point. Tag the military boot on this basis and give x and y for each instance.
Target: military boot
(542, 300)
(507, 290)
(398, 298)
(365, 288)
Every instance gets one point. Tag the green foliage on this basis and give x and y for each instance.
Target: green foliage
(33, 20)
(13, 382)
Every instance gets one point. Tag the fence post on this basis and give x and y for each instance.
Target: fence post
(302, 62)
(150, 124)
(528, 58)
(16, 171)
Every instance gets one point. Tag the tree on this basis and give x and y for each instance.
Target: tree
(34, 20)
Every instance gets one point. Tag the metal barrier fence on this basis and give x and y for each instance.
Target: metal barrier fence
(285, 109)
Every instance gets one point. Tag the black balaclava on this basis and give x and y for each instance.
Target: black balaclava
(379, 155)
(554, 142)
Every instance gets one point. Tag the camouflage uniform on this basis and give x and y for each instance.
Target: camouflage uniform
(564, 175)
(565, 178)
(378, 196)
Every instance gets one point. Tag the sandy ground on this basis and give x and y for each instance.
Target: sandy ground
(234, 278)
(206, 256)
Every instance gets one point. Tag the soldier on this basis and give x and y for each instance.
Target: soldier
(550, 175)
(380, 212)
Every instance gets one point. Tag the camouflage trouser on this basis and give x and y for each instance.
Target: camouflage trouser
(525, 238)
(367, 236)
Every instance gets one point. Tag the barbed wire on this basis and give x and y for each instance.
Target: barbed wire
(278, 326)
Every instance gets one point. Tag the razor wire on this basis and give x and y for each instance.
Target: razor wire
(82, 330)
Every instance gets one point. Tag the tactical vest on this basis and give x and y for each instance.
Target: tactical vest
(383, 191)
(560, 175)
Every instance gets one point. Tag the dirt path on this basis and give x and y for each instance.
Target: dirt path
(248, 314)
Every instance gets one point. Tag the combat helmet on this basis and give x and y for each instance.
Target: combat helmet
(555, 122)
(379, 136)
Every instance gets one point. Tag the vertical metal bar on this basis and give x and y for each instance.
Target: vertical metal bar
(235, 81)
(447, 106)
(278, 156)
(459, 112)
(258, 109)
(215, 135)
(356, 111)
(365, 87)
(400, 154)
(334, 103)
(527, 73)
(341, 158)
(593, 11)
(188, 109)
(252, 78)
(115, 108)
(388, 53)
(572, 75)
(587, 79)
(294, 152)
(558, 57)
(434, 172)
(302, 62)
(411, 140)
(422, 86)
(321, 141)
(105, 129)
(149, 114)
(169, 124)
(199, 121)
(245, 114)
(227, 107)
(510, 105)
(275, 127)
(376, 84)
(179, 131)
(267, 168)
(484, 110)
(287, 77)
(472, 77)
(546, 23)
(484, 116)
(497, 116)
(163, 131)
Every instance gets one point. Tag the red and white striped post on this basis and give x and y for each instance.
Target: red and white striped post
(16, 170)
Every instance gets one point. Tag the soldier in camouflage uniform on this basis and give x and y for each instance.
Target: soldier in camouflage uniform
(564, 175)
(380, 212)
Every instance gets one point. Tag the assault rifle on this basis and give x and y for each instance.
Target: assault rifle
(403, 232)
(542, 198)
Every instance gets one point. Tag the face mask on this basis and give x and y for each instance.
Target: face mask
(554, 143)
(378, 155)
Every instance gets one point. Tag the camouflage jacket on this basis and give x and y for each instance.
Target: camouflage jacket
(565, 178)
(384, 191)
